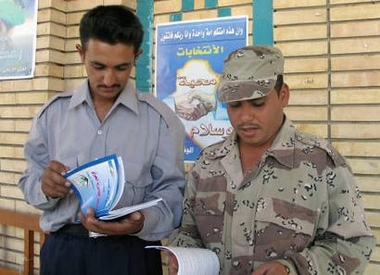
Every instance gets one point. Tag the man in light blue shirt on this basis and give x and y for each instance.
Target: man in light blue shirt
(105, 115)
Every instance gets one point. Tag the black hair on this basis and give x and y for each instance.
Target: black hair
(279, 83)
(111, 24)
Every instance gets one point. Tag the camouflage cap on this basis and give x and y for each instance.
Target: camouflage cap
(250, 73)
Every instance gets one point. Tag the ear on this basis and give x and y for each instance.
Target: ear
(139, 52)
(81, 51)
(284, 94)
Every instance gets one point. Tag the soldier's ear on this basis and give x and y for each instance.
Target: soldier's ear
(284, 94)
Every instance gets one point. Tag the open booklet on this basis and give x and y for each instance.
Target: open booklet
(193, 261)
(99, 184)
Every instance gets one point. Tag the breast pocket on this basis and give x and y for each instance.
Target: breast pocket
(71, 162)
(282, 228)
(138, 180)
(209, 211)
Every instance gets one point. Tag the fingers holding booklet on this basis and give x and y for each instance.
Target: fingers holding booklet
(99, 184)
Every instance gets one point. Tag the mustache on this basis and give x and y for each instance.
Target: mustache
(107, 87)
(246, 125)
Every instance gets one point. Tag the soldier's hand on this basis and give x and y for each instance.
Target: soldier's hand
(271, 268)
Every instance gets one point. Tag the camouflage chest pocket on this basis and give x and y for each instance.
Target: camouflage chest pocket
(209, 215)
(282, 228)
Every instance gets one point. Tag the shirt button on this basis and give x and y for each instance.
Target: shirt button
(100, 132)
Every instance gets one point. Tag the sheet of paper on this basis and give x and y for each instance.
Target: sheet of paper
(114, 214)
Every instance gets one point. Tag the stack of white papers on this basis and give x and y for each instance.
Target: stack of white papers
(193, 261)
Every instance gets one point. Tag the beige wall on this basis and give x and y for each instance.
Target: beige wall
(332, 67)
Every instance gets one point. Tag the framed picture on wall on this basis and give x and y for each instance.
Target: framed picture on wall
(18, 32)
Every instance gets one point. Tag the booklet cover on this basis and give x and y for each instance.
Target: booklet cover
(199, 261)
(99, 184)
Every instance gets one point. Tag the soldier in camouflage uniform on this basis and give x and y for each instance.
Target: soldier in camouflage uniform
(271, 199)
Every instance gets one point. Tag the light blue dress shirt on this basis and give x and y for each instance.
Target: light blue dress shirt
(139, 128)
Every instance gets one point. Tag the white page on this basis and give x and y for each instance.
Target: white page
(120, 183)
(116, 213)
(193, 261)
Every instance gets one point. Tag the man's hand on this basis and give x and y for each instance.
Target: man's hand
(191, 110)
(194, 105)
(53, 184)
(271, 268)
(208, 100)
(130, 224)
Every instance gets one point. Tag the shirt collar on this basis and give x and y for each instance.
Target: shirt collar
(283, 145)
(282, 148)
(127, 97)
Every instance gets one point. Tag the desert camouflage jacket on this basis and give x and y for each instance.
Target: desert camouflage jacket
(300, 205)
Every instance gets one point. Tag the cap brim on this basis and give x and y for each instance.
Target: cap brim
(230, 91)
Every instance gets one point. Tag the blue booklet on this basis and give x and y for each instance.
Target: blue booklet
(100, 184)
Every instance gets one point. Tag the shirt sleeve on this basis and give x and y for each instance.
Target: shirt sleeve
(37, 158)
(188, 235)
(346, 245)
